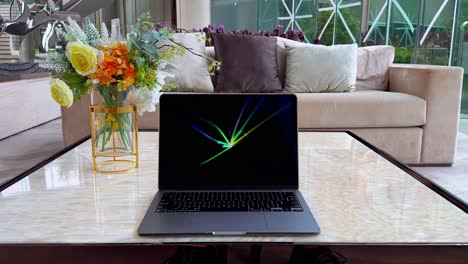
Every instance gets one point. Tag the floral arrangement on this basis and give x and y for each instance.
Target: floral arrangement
(129, 72)
(123, 72)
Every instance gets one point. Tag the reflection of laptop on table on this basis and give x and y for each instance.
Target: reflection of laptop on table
(228, 165)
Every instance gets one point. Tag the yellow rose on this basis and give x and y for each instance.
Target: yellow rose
(61, 93)
(83, 58)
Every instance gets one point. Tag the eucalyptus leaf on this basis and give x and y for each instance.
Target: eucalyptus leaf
(147, 37)
(164, 33)
(151, 48)
(157, 35)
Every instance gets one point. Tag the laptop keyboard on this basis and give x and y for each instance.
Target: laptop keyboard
(229, 202)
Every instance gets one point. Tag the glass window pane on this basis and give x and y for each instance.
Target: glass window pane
(268, 13)
(376, 24)
(235, 14)
(305, 18)
(403, 28)
(436, 32)
(325, 21)
(348, 27)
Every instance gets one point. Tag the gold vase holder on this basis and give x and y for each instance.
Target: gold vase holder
(114, 138)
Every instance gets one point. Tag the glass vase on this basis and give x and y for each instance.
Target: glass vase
(114, 138)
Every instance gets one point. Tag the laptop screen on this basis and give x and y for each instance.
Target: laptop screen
(228, 141)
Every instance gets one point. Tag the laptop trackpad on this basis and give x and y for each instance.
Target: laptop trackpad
(229, 223)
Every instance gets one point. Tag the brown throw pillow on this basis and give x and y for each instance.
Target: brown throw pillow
(248, 64)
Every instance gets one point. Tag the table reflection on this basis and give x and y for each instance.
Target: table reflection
(20, 187)
(56, 178)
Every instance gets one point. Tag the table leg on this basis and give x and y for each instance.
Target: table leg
(255, 254)
(222, 254)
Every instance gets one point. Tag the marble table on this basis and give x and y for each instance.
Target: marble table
(357, 196)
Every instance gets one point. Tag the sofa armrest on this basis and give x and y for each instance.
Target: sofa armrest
(441, 87)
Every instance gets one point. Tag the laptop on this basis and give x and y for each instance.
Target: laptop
(228, 165)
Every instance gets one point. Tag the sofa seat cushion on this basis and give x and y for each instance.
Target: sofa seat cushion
(360, 109)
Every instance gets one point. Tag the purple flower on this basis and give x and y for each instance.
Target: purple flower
(279, 27)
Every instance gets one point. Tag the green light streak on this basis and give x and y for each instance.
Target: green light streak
(215, 156)
(217, 128)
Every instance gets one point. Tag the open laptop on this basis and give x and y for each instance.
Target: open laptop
(228, 165)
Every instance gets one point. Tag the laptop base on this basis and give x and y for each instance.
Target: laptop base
(227, 223)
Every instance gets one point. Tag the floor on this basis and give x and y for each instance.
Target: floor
(454, 179)
(464, 125)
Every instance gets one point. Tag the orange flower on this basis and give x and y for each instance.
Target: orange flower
(115, 67)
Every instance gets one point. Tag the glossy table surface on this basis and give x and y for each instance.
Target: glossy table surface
(356, 195)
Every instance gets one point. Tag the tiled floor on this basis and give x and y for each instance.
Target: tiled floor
(455, 178)
(464, 125)
(26, 149)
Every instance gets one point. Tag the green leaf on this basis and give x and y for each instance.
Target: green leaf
(129, 42)
(72, 77)
(77, 84)
(165, 33)
(140, 61)
(157, 35)
(147, 37)
(150, 50)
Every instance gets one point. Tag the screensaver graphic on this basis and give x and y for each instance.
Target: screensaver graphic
(240, 132)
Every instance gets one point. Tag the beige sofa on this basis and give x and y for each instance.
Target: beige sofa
(415, 120)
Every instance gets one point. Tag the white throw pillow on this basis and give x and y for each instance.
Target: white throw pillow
(190, 72)
(372, 68)
(316, 68)
(281, 44)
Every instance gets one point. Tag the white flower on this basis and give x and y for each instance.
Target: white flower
(142, 99)
(146, 100)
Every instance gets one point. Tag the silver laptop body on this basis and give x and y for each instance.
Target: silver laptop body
(228, 165)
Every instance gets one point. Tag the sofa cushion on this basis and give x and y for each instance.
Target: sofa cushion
(361, 109)
(188, 72)
(373, 67)
(248, 64)
(372, 64)
(316, 68)
(281, 55)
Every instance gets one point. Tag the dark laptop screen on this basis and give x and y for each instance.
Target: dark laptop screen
(228, 141)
